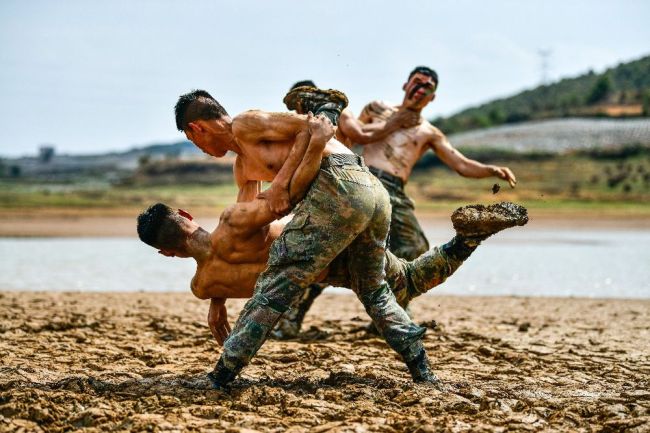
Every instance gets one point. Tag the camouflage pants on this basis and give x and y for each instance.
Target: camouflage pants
(345, 209)
(406, 239)
(407, 278)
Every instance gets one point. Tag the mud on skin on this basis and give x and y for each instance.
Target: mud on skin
(138, 362)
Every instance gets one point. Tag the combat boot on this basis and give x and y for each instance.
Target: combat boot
(222, 376)
(421, 372)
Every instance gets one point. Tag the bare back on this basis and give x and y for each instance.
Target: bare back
(397, 153)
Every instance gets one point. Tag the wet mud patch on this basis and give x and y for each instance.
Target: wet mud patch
(138, 362)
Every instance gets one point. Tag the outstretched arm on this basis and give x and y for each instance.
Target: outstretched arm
(218, 320)
(465, 166)
(364, 133)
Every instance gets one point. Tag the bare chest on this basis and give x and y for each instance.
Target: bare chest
(262, 161)
(402, 147)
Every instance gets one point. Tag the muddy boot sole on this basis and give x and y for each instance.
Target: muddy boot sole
(479, 221)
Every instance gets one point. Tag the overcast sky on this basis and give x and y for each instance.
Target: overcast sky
(91, 76)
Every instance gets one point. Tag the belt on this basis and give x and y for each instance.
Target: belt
(384, 175)
(337, 159)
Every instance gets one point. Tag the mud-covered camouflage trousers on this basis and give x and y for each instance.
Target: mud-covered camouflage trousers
(408, 279)
(345, 209)
(406, 239)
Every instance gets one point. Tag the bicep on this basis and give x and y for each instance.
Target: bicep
(365, 116)
(350, 126)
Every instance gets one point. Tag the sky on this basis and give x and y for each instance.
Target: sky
(95, 76)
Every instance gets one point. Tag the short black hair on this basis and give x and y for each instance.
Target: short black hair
(426, 71)
(309, 83)
(158, 226)
(195, 105)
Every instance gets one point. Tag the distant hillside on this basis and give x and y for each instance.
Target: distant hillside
(558, 136)
(113, 165)
(621, 91)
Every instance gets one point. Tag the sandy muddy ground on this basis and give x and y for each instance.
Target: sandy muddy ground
(137, 362)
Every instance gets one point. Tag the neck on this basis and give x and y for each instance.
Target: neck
(199, 245)
(222, 132)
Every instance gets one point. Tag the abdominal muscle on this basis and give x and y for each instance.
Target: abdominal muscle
(396, 154)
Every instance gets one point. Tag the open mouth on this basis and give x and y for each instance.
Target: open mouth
(420, 90)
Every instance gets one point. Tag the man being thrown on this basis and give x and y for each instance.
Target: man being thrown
(230, 259)
(345, 209)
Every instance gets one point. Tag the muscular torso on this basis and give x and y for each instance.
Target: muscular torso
(232, 269)
(235, 262)
(397, 153)
(261, 160)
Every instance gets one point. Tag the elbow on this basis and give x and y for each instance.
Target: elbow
(461, 169)
(200, 292)
(361, 139)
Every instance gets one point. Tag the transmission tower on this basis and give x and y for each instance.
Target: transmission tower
(544, 56)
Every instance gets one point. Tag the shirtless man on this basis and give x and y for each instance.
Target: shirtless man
(345, 209)
(393, 158)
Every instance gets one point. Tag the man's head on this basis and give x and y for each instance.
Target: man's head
(420, 88)
(204, 121)
(166, 229)
(309, 83)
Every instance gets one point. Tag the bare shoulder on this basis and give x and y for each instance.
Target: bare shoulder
(376, 110)
(346, 114)
(378, 106)
(226, 217)
(245, 118)
(432, 132)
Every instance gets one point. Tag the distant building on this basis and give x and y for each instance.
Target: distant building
(45, 154)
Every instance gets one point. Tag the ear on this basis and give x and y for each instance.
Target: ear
(166, 253)
(185, 214)
(195, 127)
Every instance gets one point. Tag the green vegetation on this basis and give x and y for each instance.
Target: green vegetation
(620, 91)
(579, 181)
(616, 181)
(34, 196)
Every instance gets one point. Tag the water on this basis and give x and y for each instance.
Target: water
(521, 261)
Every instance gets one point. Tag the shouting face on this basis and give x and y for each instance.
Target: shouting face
(419, 91)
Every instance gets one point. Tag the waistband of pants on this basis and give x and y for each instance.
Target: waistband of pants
(387, 177)
(338, 159)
